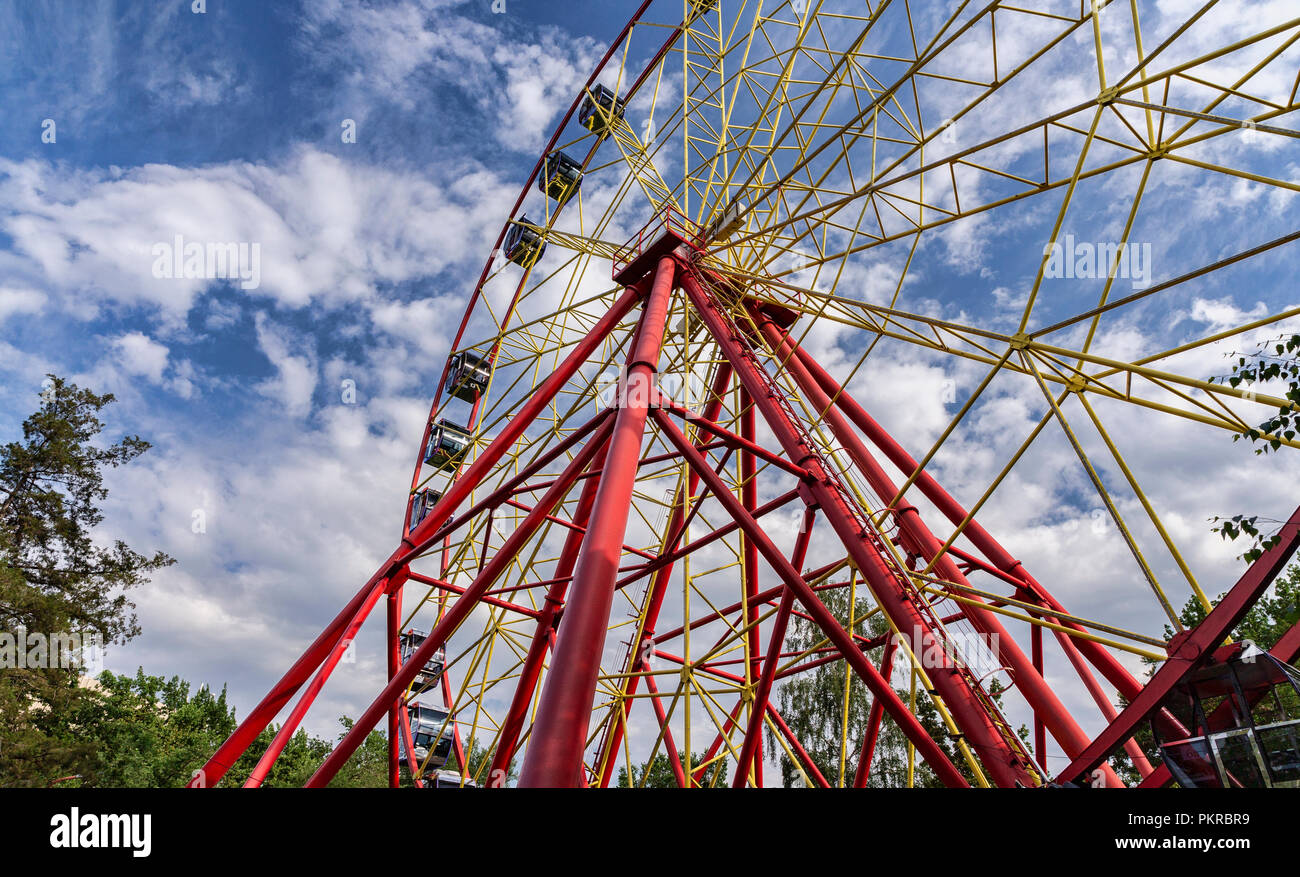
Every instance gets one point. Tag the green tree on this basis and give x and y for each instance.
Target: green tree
(813, 705)
(149, 732)
(659, 774)
(55, 579)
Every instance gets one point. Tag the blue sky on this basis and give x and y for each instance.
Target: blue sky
(226, 126)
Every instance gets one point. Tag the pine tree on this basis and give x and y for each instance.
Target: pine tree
(54, 578)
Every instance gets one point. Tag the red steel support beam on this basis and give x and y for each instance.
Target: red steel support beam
(1040, 729)
(868, 754)
(1286, 650)
(394, 646)
(749, 556)
(1189, 649)
(655, 594)
(751, 751)
(229, 752)
(286, 732)
(822, 616)
(424, 535)
(674, 757)
(559, 736)
(458, 610)
(531, 672)
(1001, 760)
(797, 747)
(920, 540)
(721, 737)
(1096, 654)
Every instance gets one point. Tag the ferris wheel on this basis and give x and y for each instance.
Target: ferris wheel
(732, 400)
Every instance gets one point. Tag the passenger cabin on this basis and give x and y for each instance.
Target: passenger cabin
(468, 375)
(448, 779)
(561, 176)
(447, 445)
(699, 7)
(524, 244)
(422, 503)
(1241, 715)
(433, 734)
(600, 109)
(431, 672)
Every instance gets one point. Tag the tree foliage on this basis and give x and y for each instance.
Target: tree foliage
(1275, 360)
(55, 577)
(659, 773)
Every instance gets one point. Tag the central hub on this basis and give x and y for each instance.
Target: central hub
(667, 233)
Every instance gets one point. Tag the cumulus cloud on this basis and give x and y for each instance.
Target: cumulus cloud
(142, 356)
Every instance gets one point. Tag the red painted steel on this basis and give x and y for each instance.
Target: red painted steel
(1188, 650)
(282, 737)
(822, 616)
(559, 735)
(919, 540)
(655, 596)
(969, 711)
(458, 611)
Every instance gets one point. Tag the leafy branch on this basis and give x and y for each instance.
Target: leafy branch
(1241, 525)
(1276, 359)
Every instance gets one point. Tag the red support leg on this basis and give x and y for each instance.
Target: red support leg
(655, 595)
(1188, 650)
(822, 616)
(394, 646)
(1000, 757)
(874, 717)
(920, 540)
(749, 496)
(532, 669)
(1097, 655)
(229, 752)
(418, 540)
(797, 747)
(1040, 729)
(458, 611)
(554, 757)
(674, 757)
(751, 750)
(286, 732)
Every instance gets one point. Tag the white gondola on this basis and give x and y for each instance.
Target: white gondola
(523, 244)
(448, 779)
(1240, 720)
(433, 735)
(422, 503)
(447, 445)
(600, 108)
(561, 176)
(432, 669)
(468, 375)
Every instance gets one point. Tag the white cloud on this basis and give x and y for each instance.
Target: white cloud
(294, 359)
(20, 301)
(142, 356)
